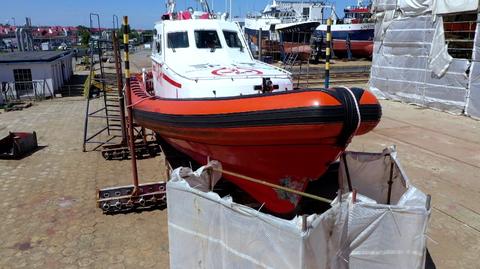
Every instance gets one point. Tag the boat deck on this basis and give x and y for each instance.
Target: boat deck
(50, 219)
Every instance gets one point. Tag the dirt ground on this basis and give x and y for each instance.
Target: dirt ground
(50, 219)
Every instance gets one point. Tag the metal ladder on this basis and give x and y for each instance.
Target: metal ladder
(290, 61)
(108, 114)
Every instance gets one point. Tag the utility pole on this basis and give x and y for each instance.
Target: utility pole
(231, 10)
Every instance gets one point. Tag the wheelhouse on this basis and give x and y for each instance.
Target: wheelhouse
(200, 41)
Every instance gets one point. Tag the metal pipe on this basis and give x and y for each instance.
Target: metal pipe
(304, 223)
(327, 53)
(349, 47)
(21, 41)
(260, 44)
(126, 30)
(428, 202)
(390, 182)
(349, 180)
(121, 98)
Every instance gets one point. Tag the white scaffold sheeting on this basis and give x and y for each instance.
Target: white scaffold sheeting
(454, 6)
(411, 62)
(473, 104)
(417, 7)
(409, 66)
(207, 231)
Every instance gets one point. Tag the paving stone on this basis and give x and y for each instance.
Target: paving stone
(48, 198)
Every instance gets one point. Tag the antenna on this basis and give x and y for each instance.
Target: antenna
(205, 6)
(170, 6)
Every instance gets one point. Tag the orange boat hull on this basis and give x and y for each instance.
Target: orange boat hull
(286, 138)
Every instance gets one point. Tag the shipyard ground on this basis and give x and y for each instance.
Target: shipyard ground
(50, 220)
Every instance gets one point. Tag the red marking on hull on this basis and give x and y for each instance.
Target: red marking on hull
(171, 81)
(235, 71)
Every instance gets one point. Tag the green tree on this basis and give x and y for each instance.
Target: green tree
(84, 34)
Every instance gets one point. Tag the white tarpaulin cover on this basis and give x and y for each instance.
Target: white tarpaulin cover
(417, 7)
(454, 6)
(208, 231)
(473, 97)
(411, 62)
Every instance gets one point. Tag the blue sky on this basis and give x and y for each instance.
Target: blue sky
(142, 13)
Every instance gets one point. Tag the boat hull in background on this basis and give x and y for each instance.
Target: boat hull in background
(360, 36)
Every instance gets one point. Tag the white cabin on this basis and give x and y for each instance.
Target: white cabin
(195, 58)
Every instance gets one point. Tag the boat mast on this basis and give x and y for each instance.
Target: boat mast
(170, 6)
(205, 7)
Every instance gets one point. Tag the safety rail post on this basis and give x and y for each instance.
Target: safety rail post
(260, 44)
(327, 53)
(131, 138)
(348, 44)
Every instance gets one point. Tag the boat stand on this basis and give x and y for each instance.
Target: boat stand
(146, 146)
(121, 199)
(135, 196)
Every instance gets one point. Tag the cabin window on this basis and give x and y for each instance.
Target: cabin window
(232, 39)
(207, 39)
(306, 12)
(159, 47)
(177, 40)
(158, 44)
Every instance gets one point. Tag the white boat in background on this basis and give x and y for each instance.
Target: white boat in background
(283, 14)
(287, 25)
(355, 31)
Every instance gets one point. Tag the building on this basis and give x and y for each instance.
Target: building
(34, 74)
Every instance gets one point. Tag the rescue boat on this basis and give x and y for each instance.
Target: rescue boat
(212, 100)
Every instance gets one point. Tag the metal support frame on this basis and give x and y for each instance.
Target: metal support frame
(135, 196)
(128, 94)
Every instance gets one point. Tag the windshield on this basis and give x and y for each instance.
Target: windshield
(207, 39)
(177, 40)
(231, 37)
